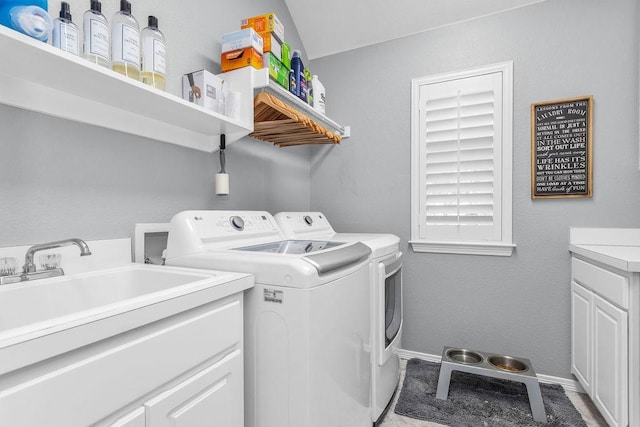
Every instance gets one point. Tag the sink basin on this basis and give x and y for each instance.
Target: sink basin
(31, 302)
(47, 317)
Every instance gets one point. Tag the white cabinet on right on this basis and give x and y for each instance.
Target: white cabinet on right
(605, 320)
(600, 352)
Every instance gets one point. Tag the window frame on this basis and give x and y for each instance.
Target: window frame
(504, 246)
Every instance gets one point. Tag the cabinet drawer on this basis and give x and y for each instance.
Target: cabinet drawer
(611, 286)
(100, 379)
(212, 397)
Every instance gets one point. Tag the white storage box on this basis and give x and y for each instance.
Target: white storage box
(242, 39)
(205, 89)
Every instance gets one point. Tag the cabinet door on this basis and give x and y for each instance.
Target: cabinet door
(212, 397)
(581, 334)
(610, 358)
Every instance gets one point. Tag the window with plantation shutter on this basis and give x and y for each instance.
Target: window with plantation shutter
(461, 162)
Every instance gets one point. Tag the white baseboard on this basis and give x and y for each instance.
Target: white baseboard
(566, 383)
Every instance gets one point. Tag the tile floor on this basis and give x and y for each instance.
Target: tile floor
(581, 401)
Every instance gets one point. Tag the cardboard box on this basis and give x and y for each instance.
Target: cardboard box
(271, 44)
(240, 58)
(277, 71)
(242, 39)
(286, 55)
(210, 87)
(265, 23)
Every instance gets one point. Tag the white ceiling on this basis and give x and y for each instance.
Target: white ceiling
(332, 26)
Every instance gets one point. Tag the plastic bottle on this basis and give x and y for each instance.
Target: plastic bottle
(125, 42)
(65, 33)
(153, 61)
(307, 77)
(96, 35)
(297, 82)
(318, 94)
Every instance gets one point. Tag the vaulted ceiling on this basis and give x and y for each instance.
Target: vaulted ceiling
(327, 27)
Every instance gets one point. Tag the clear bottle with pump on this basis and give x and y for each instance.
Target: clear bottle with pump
(65, 33)
(153, 60)
(125, 42)
(96, 36)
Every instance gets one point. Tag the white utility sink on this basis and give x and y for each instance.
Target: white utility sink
(86, 307)
(35, 301)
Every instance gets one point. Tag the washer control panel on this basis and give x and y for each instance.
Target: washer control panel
(304, 224)
(216, 229)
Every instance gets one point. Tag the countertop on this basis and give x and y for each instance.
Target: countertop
(626, 258)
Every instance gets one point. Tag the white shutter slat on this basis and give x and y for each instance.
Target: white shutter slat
(477, 97)
(473, 132)
(463, 188)
(455, 221)
(459, 167)
(460, 211)
(453, 177)
(460, 199)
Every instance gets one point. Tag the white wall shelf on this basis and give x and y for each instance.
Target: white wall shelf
(38, 77)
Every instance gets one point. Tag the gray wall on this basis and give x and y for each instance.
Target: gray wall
(62, 179)
(560, 48)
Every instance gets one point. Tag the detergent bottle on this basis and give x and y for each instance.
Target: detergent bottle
(297, 81)
(29, 17)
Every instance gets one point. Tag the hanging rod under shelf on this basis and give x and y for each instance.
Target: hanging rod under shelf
(280, 123)
(282, 93)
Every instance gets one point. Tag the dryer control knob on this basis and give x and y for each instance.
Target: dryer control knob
(237, 223)
(308, 219)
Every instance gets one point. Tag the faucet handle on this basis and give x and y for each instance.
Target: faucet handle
(50, 261)
(8, 266)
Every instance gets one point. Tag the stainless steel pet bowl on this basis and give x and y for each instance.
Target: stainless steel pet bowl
(461, 355)
(508, 363)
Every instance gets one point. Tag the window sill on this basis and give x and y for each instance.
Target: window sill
(463, 248)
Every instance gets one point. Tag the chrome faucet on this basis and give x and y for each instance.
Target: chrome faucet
(30, 267)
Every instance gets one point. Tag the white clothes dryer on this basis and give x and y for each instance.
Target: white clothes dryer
(385, 297)
(306, 320)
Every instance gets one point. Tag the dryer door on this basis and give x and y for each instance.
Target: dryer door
(390, 274)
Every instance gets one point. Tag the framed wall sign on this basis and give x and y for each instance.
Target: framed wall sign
(561, 148)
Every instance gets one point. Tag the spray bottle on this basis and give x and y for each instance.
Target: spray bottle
(65, 33)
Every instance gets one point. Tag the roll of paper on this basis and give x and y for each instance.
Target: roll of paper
(234, 103)
(222, 184)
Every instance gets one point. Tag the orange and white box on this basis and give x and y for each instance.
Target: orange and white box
(268, 22)
(240, 58)
(271, 44)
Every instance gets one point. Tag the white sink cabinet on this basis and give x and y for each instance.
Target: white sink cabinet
(170, 361)
(605, 320)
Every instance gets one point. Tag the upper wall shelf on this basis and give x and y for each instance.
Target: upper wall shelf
(38, 77)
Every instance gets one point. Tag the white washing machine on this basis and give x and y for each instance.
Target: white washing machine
(306, 320)
(386, 297)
